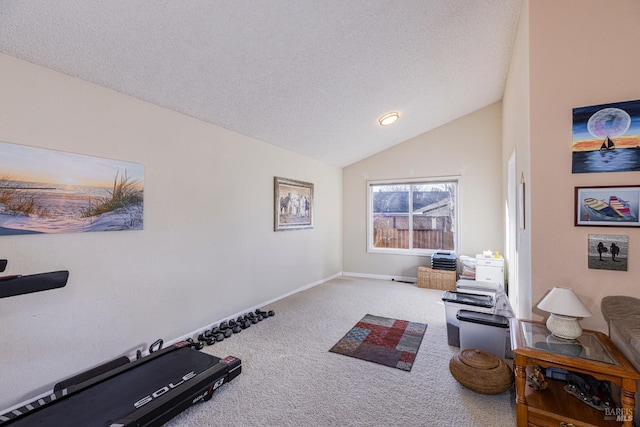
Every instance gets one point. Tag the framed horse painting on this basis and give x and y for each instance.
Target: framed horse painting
(293, 204)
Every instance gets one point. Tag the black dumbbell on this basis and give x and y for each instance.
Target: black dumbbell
(219, 336)
(223, 326)
(232, 324)
(207, 336)
(197, 345)
(227, 333)
(236, 329)
(271, 313)
(245, 324)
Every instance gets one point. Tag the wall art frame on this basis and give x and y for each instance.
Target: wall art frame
(521, 204)
(608, 252)
(293, 204)
(50, 191)
(607, 206)
(606, 138)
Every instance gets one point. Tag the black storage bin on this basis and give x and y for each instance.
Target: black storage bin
(456, 301)
(484, 331)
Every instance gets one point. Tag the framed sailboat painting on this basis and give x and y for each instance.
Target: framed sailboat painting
(606, 138)
(614, 206)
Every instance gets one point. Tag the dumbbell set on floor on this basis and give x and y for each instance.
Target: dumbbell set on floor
(229, 327)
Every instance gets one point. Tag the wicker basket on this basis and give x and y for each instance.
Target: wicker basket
(481, 371)
(436, 279)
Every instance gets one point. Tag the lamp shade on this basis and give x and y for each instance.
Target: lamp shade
(564, 301)
(565, 307)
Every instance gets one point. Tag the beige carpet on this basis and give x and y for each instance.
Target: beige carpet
(289, 377)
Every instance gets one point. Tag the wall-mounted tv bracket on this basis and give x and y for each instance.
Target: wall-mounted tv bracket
(3, 264)
(17, 285)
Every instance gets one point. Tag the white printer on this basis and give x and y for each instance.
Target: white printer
(489, 275)
(494, 290)
(478, 287)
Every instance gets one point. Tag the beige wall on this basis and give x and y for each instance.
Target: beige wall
(469, 147)
(582, 52)
(207, 251)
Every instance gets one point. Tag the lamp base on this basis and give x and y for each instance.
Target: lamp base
(565, 327)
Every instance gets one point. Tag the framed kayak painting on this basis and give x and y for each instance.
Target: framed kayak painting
(612, 206)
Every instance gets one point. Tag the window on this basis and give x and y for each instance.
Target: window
(413, 216)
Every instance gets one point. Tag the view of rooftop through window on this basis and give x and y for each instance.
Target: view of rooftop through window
(431, 225)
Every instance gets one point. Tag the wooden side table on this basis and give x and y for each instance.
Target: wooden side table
(592, 354)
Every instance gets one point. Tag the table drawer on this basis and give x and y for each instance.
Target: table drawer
(493, 262)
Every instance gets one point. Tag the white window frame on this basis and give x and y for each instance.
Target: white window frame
(411, 251)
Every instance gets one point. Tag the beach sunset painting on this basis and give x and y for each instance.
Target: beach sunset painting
(606, 138)
(48, 191)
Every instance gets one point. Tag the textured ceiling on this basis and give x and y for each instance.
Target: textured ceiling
(311, 76)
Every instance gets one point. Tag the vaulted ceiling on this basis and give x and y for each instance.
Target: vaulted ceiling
(311, 76)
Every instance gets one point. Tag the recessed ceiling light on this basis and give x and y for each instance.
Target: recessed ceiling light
(389, 118)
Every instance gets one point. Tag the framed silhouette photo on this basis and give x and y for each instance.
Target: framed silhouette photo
(608, 252)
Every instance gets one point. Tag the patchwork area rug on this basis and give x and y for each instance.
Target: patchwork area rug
(389, 342)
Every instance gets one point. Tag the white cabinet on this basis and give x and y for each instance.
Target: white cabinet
(490, 269)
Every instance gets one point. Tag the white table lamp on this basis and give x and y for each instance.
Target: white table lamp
(565, 307)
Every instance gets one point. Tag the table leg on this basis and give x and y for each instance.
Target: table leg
(628, 401)
(519, 368)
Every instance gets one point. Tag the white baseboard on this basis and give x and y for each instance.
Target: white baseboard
(381, 277)
(200, 330)
(131, 354)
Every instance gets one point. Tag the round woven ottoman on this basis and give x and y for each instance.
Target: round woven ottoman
(481, 371)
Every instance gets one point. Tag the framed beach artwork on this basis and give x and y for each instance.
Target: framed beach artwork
(614, 206)
(608, 252)
(293, 204)
(606, 138)
(48, 191)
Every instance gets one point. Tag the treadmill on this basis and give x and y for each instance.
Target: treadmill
(146, 392)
